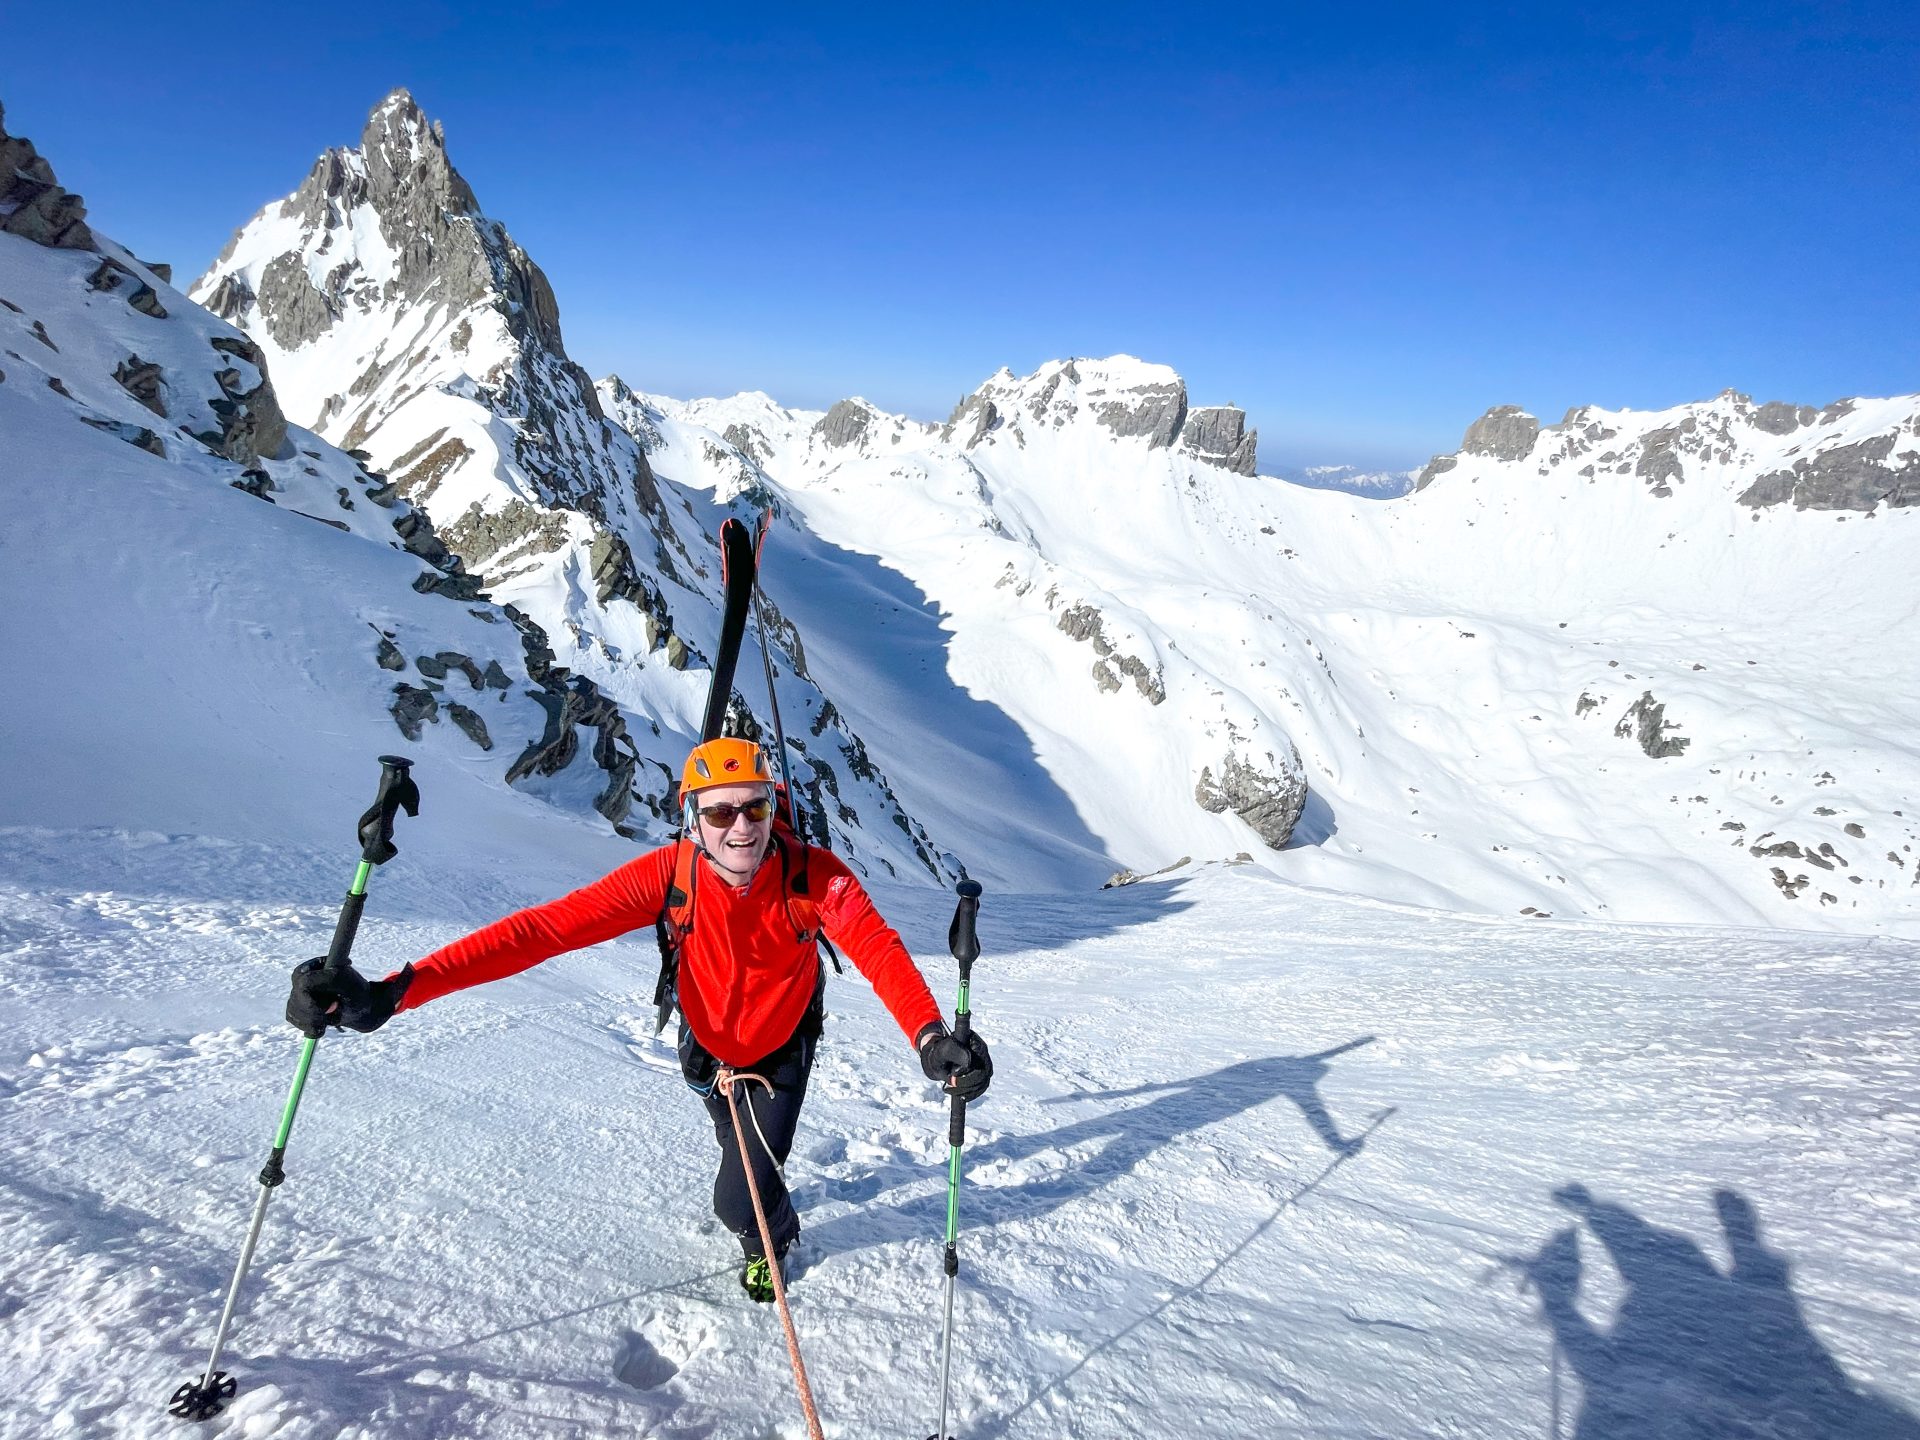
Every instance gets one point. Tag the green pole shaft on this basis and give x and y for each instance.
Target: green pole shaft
(273, 1172)
(962, 1017)
(356, 891)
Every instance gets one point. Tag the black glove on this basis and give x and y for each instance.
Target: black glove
(347, 999)
(964, 1068)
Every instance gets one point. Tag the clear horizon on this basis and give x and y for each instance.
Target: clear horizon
(1364, 235)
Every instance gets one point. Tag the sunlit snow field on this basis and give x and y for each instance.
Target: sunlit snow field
(1257, 1161)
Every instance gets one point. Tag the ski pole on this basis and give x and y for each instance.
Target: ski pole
(204, 1398)
(965, 946)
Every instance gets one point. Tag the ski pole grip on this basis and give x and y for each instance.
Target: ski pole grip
(961, 939)
(397, 792)
(957, 1123)
(344, 930)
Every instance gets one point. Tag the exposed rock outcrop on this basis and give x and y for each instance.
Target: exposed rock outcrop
(1270, 799)
(33, 205)
(972, 420)
(1085, 623)
(1219, 433)
(1858, 477)
(1156, 410)
(142, 380)
(1646, 724)
(252, 426)
(1506, 432)
(1435, 468)
(845, 425)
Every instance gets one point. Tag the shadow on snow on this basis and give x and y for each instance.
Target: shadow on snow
(1694, 1352)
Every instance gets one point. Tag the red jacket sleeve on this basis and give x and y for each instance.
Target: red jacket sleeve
(632, 896)
(851, 922)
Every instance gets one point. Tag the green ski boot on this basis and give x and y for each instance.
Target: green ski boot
(756, 1278)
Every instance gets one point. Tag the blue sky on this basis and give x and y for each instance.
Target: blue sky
(1363, 226)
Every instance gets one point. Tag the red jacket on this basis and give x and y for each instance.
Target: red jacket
(745, 981)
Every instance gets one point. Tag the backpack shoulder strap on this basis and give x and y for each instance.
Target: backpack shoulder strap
(671, 929)
(805, 915)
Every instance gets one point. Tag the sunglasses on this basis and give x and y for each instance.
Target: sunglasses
(721, 817)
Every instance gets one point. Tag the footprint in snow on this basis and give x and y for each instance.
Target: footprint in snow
(636, 1362)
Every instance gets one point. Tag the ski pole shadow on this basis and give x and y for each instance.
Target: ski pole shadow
(455, 1347)
(1695, 1352)
(994, 1426)
(1131, 1134)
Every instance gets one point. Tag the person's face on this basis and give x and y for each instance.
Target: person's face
(741, 840)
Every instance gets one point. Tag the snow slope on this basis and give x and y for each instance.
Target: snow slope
(1290, 1176)
(1644, 693)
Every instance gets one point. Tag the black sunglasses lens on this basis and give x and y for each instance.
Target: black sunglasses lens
(722, 816)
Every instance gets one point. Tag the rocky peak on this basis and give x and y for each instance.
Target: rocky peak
(431, 243)
(1130, 398)
(1506, 432)
(846, 424)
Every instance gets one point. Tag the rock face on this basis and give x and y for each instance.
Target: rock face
(1506, 432)
(845, 424)
(1858, 477)
(1269, 799)
(1219, 433)
(1156, 411)
(33, 205)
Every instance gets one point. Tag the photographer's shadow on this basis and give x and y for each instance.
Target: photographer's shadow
(1695, 1352)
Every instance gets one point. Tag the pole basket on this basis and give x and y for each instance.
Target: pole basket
(204, 1398)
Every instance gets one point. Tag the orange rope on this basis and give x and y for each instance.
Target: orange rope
(727, 1080)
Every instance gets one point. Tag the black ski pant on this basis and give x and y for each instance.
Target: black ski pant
(777, 1113)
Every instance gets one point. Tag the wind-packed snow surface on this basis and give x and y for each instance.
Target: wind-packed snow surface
(1257, 1161)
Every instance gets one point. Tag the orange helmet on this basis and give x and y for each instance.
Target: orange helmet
(727, 761)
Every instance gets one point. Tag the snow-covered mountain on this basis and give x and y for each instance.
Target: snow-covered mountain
(198, 656)
(1635, 665)
(405, 325)
(1616, 668)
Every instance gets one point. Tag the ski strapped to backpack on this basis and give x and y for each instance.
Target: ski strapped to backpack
(740, 573)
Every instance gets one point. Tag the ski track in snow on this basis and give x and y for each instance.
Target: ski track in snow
(1258, 1160)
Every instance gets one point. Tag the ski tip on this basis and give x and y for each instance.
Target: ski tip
(968, 890)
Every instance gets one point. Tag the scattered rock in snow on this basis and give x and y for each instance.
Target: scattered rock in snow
(1645, 722)
(412, 707)
(470, 723)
